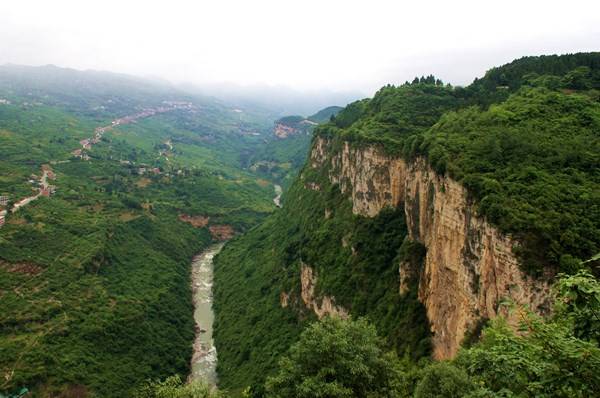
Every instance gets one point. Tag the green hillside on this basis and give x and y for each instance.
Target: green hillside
(281, 158)
(527, 153)
(94, 279)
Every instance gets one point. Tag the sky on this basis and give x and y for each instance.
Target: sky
(341, 45)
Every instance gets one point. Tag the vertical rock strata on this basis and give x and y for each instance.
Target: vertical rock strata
(469, 267)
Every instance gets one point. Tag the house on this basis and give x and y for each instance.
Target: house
(2, 217)
(4, 200)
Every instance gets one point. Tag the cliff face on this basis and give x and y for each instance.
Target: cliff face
(320, 306)
(469, 267)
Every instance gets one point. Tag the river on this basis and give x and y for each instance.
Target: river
(204, 359)
(278, 192)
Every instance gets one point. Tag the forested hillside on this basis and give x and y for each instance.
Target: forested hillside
(281, 158)
(523, 140)
(109, 185)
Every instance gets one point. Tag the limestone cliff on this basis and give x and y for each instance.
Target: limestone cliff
(469, 267)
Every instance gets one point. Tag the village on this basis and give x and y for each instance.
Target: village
(86, 144)
(45, 189)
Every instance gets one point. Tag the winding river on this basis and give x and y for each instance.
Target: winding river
(204, 359)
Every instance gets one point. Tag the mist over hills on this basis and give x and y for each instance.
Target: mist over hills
(281, 99)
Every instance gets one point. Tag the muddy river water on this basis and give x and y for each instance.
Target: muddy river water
(204, 359)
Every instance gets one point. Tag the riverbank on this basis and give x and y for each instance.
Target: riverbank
(204, 358)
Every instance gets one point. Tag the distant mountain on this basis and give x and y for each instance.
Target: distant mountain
(423, 210)
(283, 156)
(324, 115)
(279, 99)
(109, 184)
(295, 124)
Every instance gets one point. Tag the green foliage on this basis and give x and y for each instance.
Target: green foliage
(546, 358)
(529, 159)
(522, 140)
(94, 281)
(336, 358)
(325, 114)
(531, 163)
(293, 120)
(578, 305)
(251, 329)
(173, 387)
(393, 115)
(558, 357)
(443, 380)
(566, 70)
(355, 259)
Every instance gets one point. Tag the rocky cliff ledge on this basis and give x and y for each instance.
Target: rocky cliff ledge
(469, 267)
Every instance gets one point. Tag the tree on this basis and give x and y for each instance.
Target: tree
(173, 387)
(579, 78)
(578, 304)
(443, 379)
(558, 357)
(337, 358)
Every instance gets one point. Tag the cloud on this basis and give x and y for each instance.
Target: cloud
(309, 44)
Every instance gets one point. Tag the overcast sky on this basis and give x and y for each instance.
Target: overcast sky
(309, 44)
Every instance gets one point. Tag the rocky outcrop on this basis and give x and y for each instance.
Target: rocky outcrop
(469, 267)
(221, 232)
(283, 131)
(321, 306)
(195, 221)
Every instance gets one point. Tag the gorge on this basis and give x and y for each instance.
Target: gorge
(429, 210)
(204, 358)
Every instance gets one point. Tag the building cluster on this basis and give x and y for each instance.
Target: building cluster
(86, 144)
(144, 170)
(3, 204)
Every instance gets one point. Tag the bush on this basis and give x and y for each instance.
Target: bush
(443, 379)
(173, 387)
(336, 358)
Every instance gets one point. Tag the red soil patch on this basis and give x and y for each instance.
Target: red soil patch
(221, 232)
(22, 268)
(75, 391)
(196, 221)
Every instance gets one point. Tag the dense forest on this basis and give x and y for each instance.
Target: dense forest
(524, 141)
(95, 277)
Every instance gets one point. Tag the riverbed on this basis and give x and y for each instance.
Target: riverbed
(204, 359)
(278, 192)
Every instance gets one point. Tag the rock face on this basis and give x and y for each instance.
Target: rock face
(221, 232)
(282, 130)
(321, 306)
(196, 221)
(469, 267)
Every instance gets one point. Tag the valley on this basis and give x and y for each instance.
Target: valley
(96, 242)
(432, 237)
(204, 358)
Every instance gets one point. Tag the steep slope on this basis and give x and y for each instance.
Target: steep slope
(282, 157)
(109, 178)
(424, 214)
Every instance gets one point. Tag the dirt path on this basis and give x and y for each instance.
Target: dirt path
(86, 145)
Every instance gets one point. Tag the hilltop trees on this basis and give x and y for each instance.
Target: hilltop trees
(336, 358)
